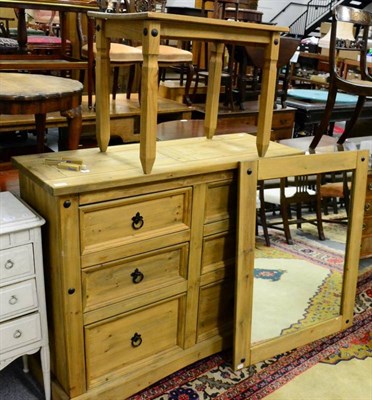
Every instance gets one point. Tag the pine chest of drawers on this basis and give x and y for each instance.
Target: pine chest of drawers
(143, 270)
(137, 264)
(23, 320)
(366, 248)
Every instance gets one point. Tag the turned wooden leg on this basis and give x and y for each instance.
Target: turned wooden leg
(74, 119)
(40, 122)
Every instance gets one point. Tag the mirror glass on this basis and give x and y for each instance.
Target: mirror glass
(298, 275)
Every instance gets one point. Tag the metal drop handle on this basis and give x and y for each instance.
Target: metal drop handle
(136, 340)
(137, 221)
(137, 276)
(13, 300)
(9, 264)
(17, 334)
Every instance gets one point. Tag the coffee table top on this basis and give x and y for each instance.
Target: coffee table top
(320, 95)
(33, 87)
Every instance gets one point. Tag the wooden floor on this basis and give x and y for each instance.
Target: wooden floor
(8, 179)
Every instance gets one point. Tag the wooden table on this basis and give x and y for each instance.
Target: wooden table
(39, 95)
(37, 63)
(150, 28)
(310, 113)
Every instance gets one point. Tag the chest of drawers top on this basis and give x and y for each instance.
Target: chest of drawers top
(15, 215)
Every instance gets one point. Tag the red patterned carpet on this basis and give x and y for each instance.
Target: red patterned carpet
(213, 378)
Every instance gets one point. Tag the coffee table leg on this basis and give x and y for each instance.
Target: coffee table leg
(74, 120)
(40, 122)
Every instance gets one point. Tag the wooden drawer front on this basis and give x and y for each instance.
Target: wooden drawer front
(218, 252)
(369, 184)
(220, 201)
(133, 276)
(368, 208)
(134, 337)
(367, 226)
(282, 133)
(15, 238)
(118, 222)
(19, 332)
(17, 299)
(366, 247)
(16, 262)
(216, 310)
(283, 120)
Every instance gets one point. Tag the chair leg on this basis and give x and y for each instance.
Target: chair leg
(131, 75)
(327, 116)
(264, 226)
(319, 222)
(190, 74)
(115, 82)
(284, 211)
(350, 124)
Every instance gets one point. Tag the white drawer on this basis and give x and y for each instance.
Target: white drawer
(16, 262)
(17, 299)
(19, 332)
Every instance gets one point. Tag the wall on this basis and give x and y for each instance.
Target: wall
(271, 7)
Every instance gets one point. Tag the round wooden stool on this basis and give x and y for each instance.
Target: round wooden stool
(39, 95)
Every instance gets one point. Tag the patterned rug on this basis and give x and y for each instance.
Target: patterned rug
(213, 377)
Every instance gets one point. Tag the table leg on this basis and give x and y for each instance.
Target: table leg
(40, 122)
(22, 30)
(267, 97)
(213, 89)
(74, 120)
(149, 94)
(90, 61)
(103, 88)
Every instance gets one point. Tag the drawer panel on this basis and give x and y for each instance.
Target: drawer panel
(16, 262)
(17, 299)
(367, 226)
(283, 120)
(369, 184)
(15, 238)
(218, 252)
(221, 201)
(368, 208)
(19, 332)
(118, 222)
(140, 336)
(366, 247)
(216, 310)
(134, 276)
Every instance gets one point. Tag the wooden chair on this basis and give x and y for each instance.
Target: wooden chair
(8, 45)
(254, 56)
(335, 188)
(303, 190)
(169, 56)
(121, 55)
(222, 9)
(360, 87)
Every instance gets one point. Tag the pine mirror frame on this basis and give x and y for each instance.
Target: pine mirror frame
(244, 353)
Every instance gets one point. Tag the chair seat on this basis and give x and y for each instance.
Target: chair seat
(43, 39)
(118, 53)
(172, 54)
(333, 189)
(8, 45)
(272, 196)
(361, 83)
